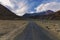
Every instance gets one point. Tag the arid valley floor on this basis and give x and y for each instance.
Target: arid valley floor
(9, 29)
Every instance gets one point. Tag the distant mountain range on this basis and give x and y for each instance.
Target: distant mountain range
(44, 15)
(6, 14)
(51, 16)
(38, 14)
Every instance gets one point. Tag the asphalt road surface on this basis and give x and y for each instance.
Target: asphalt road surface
(33, 32)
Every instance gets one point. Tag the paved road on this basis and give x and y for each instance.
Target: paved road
(33, 32)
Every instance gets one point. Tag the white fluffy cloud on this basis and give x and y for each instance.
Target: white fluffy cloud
(22, 9)
(6, 3)
(54, 6)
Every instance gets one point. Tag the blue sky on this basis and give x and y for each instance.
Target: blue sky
(20, 7)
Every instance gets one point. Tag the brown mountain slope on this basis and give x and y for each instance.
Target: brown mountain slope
(55, 16)
(7, 14)
(51, 16)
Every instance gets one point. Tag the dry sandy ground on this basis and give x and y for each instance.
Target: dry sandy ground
(52, 26)
(10, 28)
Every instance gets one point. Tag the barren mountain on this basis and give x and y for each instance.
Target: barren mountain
(7, 14)
(56, 15)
